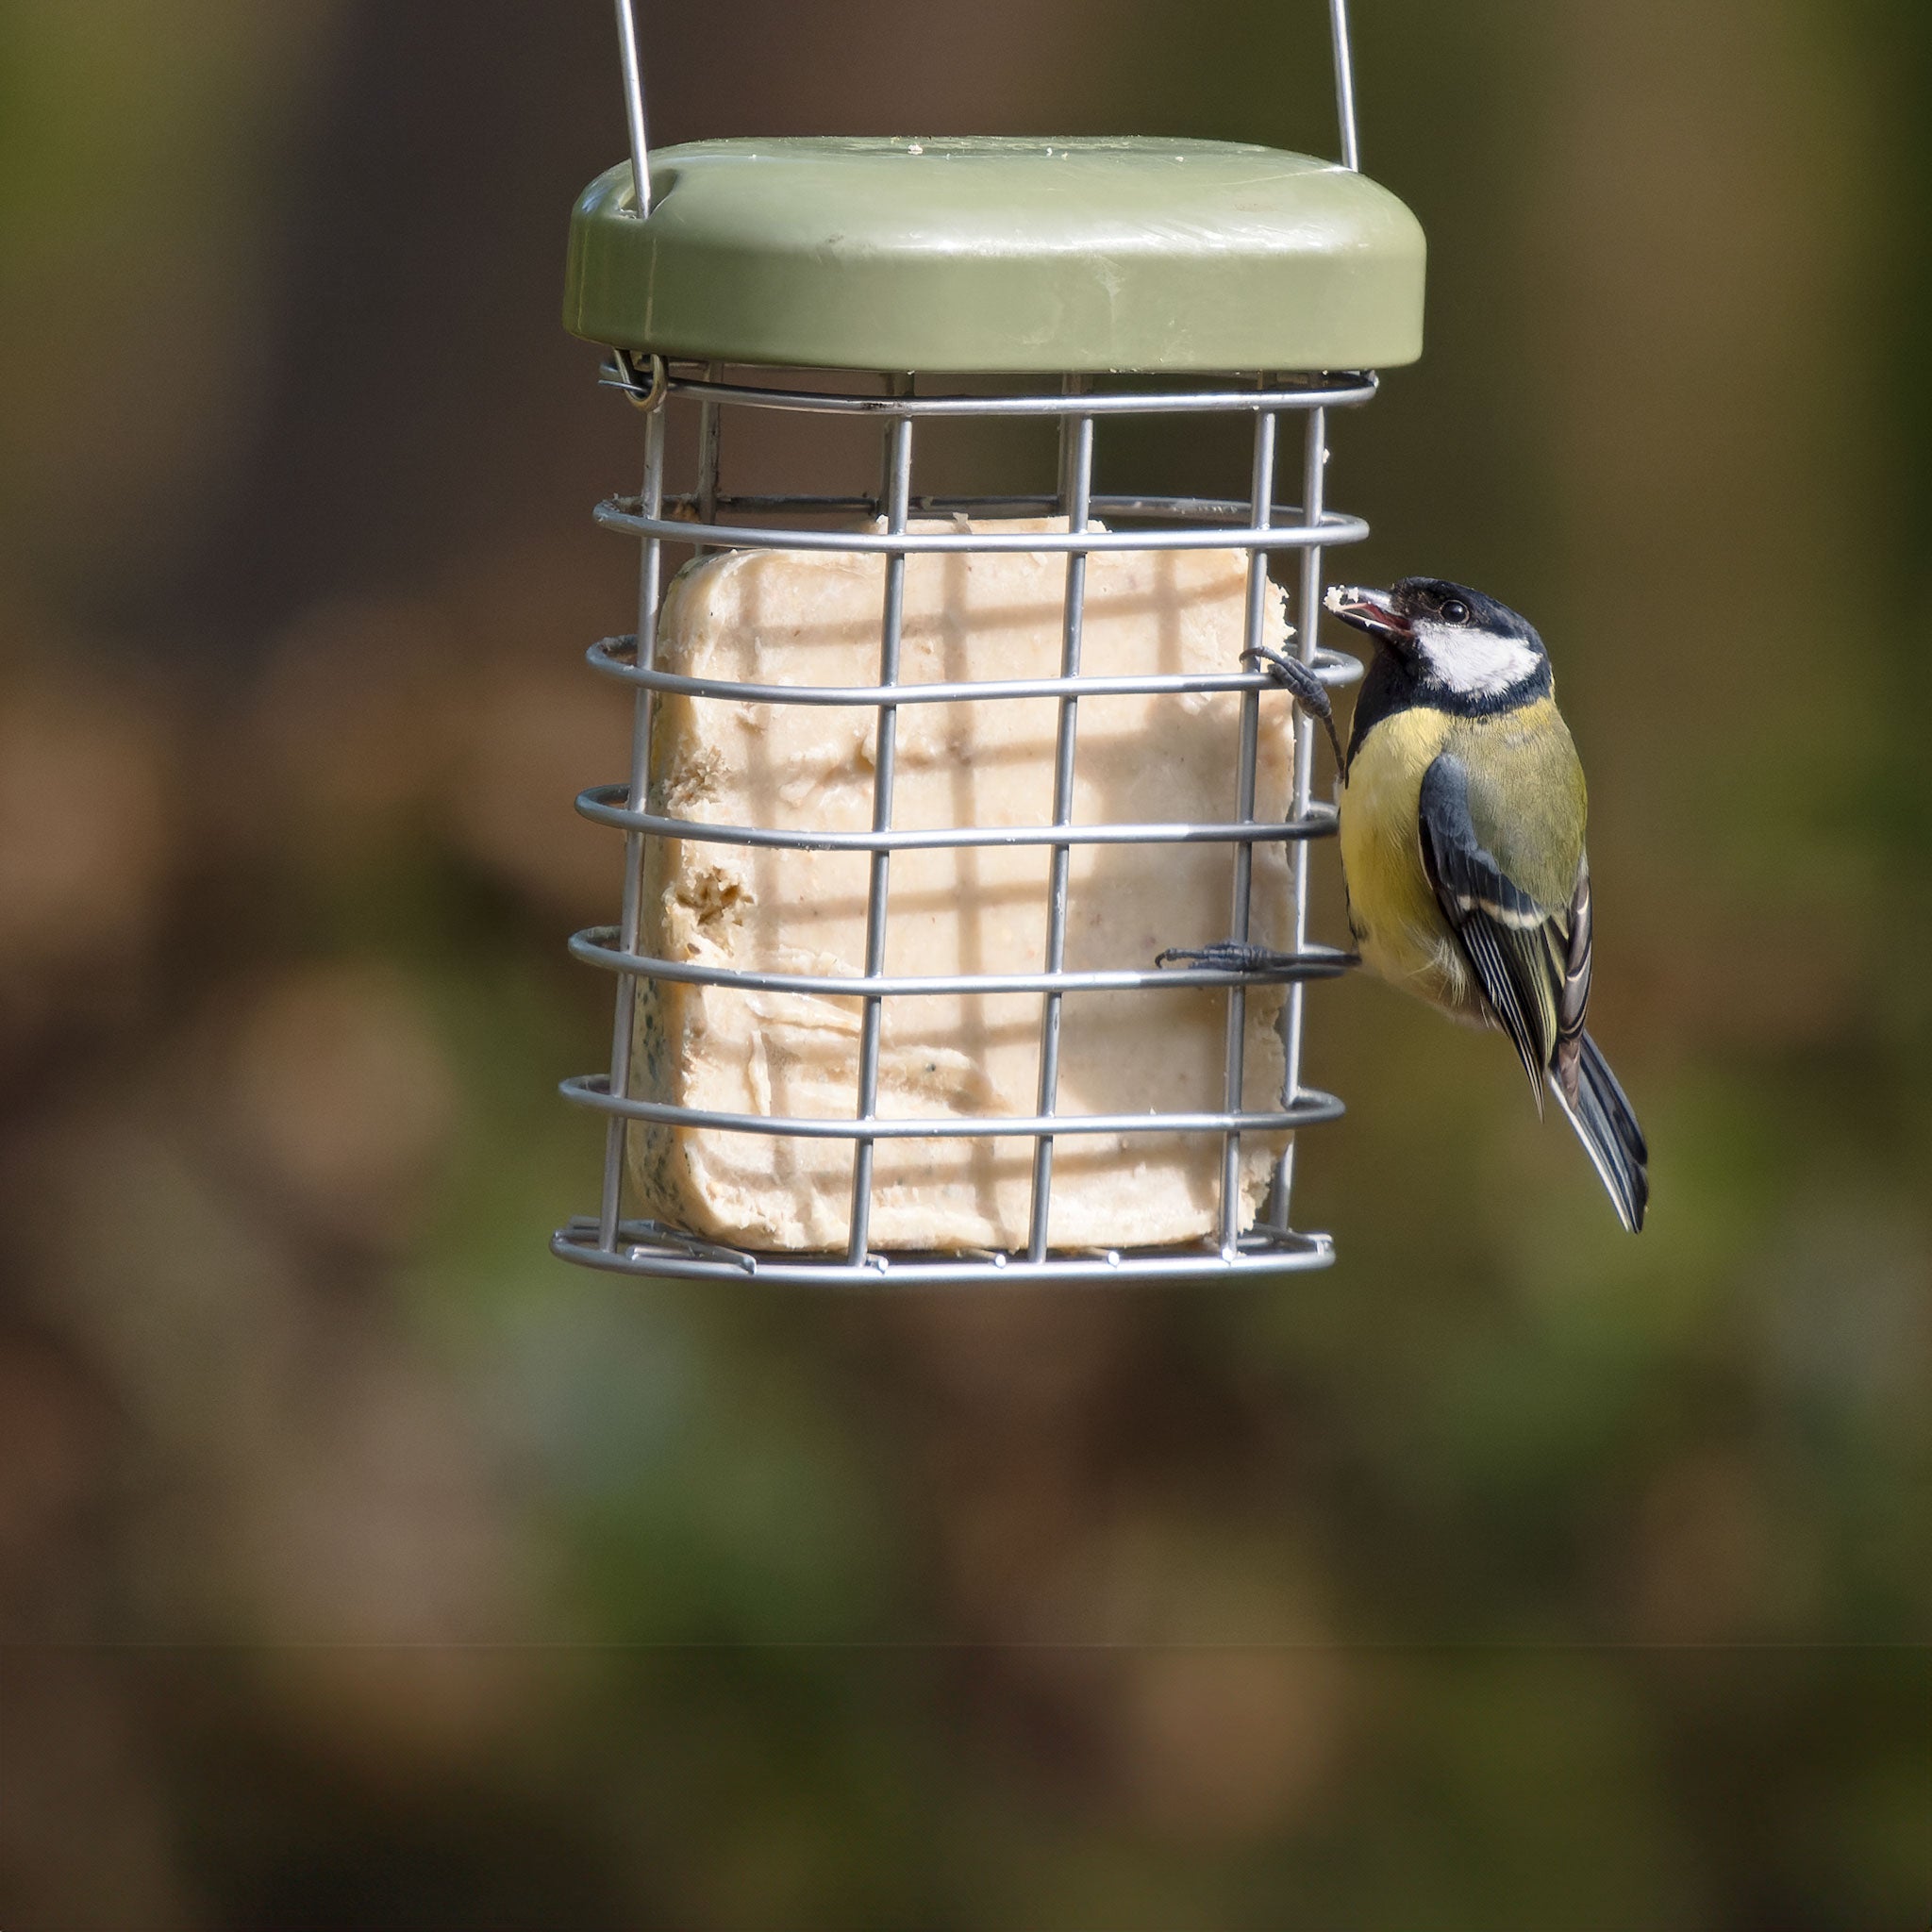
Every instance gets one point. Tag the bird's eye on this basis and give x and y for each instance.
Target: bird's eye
(1454, 611)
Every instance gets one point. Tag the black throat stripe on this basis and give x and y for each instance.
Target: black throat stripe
(1394, 684)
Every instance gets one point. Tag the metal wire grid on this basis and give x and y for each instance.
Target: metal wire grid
(1258, 525)
(609, 1242)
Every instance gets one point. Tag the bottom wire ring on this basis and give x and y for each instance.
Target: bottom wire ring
(645, 1249)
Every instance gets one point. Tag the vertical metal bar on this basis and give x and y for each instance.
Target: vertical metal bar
(882, 500)
(1345, 84)
(634, 106)
(1308, 616)
(1260, 510)
(650, 572)
(1063, 470)
(1076, 495)
(708, 438)
(891, 620)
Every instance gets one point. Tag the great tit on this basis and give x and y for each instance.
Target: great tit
(1461, 814)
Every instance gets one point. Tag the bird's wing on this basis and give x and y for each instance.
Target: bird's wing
(1531, 959)
(1573, 996)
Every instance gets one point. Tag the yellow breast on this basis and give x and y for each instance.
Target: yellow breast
(1398, 927)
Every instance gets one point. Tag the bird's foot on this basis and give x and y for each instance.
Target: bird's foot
(1300, 683)
(1227, 955)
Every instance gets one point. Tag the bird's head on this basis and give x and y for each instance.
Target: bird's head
(1449, 636)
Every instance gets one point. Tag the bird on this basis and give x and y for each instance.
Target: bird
(1461, 809)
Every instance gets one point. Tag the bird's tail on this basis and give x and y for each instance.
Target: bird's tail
(1601, 1115)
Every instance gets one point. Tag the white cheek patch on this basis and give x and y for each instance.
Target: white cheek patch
(1475, 661)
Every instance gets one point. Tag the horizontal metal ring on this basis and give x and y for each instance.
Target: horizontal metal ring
(1340, 392)
(597, 805)
(597, 946)
(1255, 1256)
(1179, 508)
(1335, 527)
(593, 1091)
(616, 657)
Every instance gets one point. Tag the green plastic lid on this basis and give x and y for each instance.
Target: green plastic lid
(999, 255)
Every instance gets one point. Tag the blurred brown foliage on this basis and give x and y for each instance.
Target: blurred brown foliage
(360, 1565)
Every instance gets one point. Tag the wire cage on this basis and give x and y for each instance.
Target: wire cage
(853, 368)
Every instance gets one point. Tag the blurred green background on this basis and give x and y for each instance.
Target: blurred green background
(360, 1565)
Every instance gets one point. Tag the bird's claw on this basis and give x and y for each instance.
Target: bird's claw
(1227, 955)
(1302, 683)
(1291, 675)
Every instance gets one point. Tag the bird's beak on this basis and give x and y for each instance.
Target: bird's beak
(1373, 612)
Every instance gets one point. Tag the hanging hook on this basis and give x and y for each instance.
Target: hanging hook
(645, 399)
(634, 107)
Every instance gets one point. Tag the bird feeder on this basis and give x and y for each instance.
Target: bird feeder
(921, 784)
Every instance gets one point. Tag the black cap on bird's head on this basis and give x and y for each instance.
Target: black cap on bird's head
(1451, 638)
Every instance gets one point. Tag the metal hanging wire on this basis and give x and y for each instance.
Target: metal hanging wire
(633, 69)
